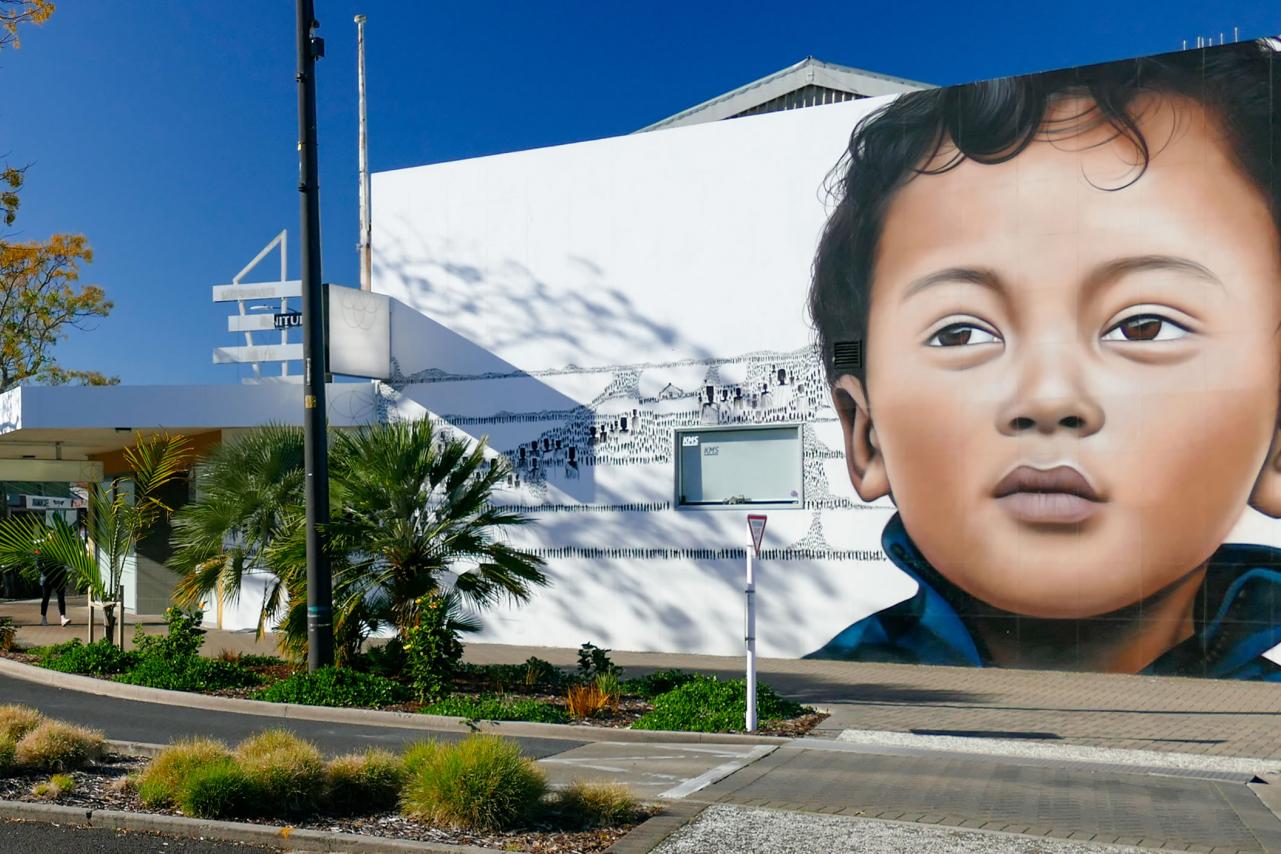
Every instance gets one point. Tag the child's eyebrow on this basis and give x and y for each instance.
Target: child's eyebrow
(981, 276)
(1111, 270)
(1103, 273)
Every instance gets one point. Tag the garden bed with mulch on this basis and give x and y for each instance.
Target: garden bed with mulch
(103, 786)
(533, 691)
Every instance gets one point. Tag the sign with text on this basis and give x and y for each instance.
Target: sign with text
(288, 319)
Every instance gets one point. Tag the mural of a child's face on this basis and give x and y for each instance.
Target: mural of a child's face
(1072, 389)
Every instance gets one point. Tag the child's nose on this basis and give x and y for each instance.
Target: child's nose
(1048, 402)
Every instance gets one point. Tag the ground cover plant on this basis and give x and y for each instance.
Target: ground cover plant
(336, 686)
(707, 704)
(496, 707)
(100, 658)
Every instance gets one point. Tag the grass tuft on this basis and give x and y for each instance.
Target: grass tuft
(588, 701)
(7, 746)
(589, 805)
(17, 721)
(219, 789)
(418, 755)
(56, 746)
(482, 783)
(287, 771)
(364, 783)
(161, 782)
(55, 787)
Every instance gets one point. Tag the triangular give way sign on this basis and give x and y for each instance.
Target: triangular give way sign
(756, 524)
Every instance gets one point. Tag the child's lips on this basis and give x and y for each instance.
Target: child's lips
(1057, 496)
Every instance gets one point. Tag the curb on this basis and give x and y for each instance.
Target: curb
(139, 749)
(276, 836)
(368, 717)
(650, 833)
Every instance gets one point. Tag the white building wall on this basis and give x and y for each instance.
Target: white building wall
(563, 287)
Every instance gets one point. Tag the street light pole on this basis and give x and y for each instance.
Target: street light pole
(320, 628)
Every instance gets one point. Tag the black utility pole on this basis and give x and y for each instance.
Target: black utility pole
(320, 623)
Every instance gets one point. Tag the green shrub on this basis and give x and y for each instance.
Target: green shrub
(56, 746)
(189, 673)
(482, 783)
(8, 632)
(593, 661)
(160, 783)
(100, 658)
(489, 707)
(182, 639)
(336, 686)
(363, 783)
(387, 659)
(286, 772)
(706, 704)
(652, 684)
(432, 649)
(586, 805)
(6, 755)
(17, 721)
(219, 789)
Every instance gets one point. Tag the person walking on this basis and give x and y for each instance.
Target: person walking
(53, 579)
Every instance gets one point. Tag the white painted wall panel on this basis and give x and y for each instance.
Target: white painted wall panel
(551, 293)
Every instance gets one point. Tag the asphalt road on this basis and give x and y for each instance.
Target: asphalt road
(22, 837)
(130, 720)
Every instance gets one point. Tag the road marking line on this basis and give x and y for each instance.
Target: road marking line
(720, 772)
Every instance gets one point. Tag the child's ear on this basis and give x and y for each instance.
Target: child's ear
(1266, 497)
(862, 451)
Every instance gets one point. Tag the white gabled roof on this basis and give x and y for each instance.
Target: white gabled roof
(854, 82)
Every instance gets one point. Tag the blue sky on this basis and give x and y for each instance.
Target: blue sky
(165, 130)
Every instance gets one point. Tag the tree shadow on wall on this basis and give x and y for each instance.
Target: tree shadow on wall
(572, 338)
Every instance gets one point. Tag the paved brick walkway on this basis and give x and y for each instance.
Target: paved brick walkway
(1101, 710)
(1101, 806)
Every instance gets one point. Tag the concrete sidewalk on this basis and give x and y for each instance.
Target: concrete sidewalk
(25, 614)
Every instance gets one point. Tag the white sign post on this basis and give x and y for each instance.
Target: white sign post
(756, 528)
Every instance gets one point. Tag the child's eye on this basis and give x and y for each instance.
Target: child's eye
(1146, 327)
(962, 335)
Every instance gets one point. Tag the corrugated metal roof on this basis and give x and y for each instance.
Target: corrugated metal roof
(805, 84)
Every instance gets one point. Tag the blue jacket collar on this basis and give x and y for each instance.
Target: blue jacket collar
(1233, 612)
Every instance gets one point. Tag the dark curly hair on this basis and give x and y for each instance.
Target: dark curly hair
(933, 131)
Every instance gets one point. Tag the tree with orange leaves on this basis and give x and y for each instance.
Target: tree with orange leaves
(14, 13)
(41, 299)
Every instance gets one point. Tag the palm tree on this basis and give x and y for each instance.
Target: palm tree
(411, 514)
(121, 513)
(248, 491)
